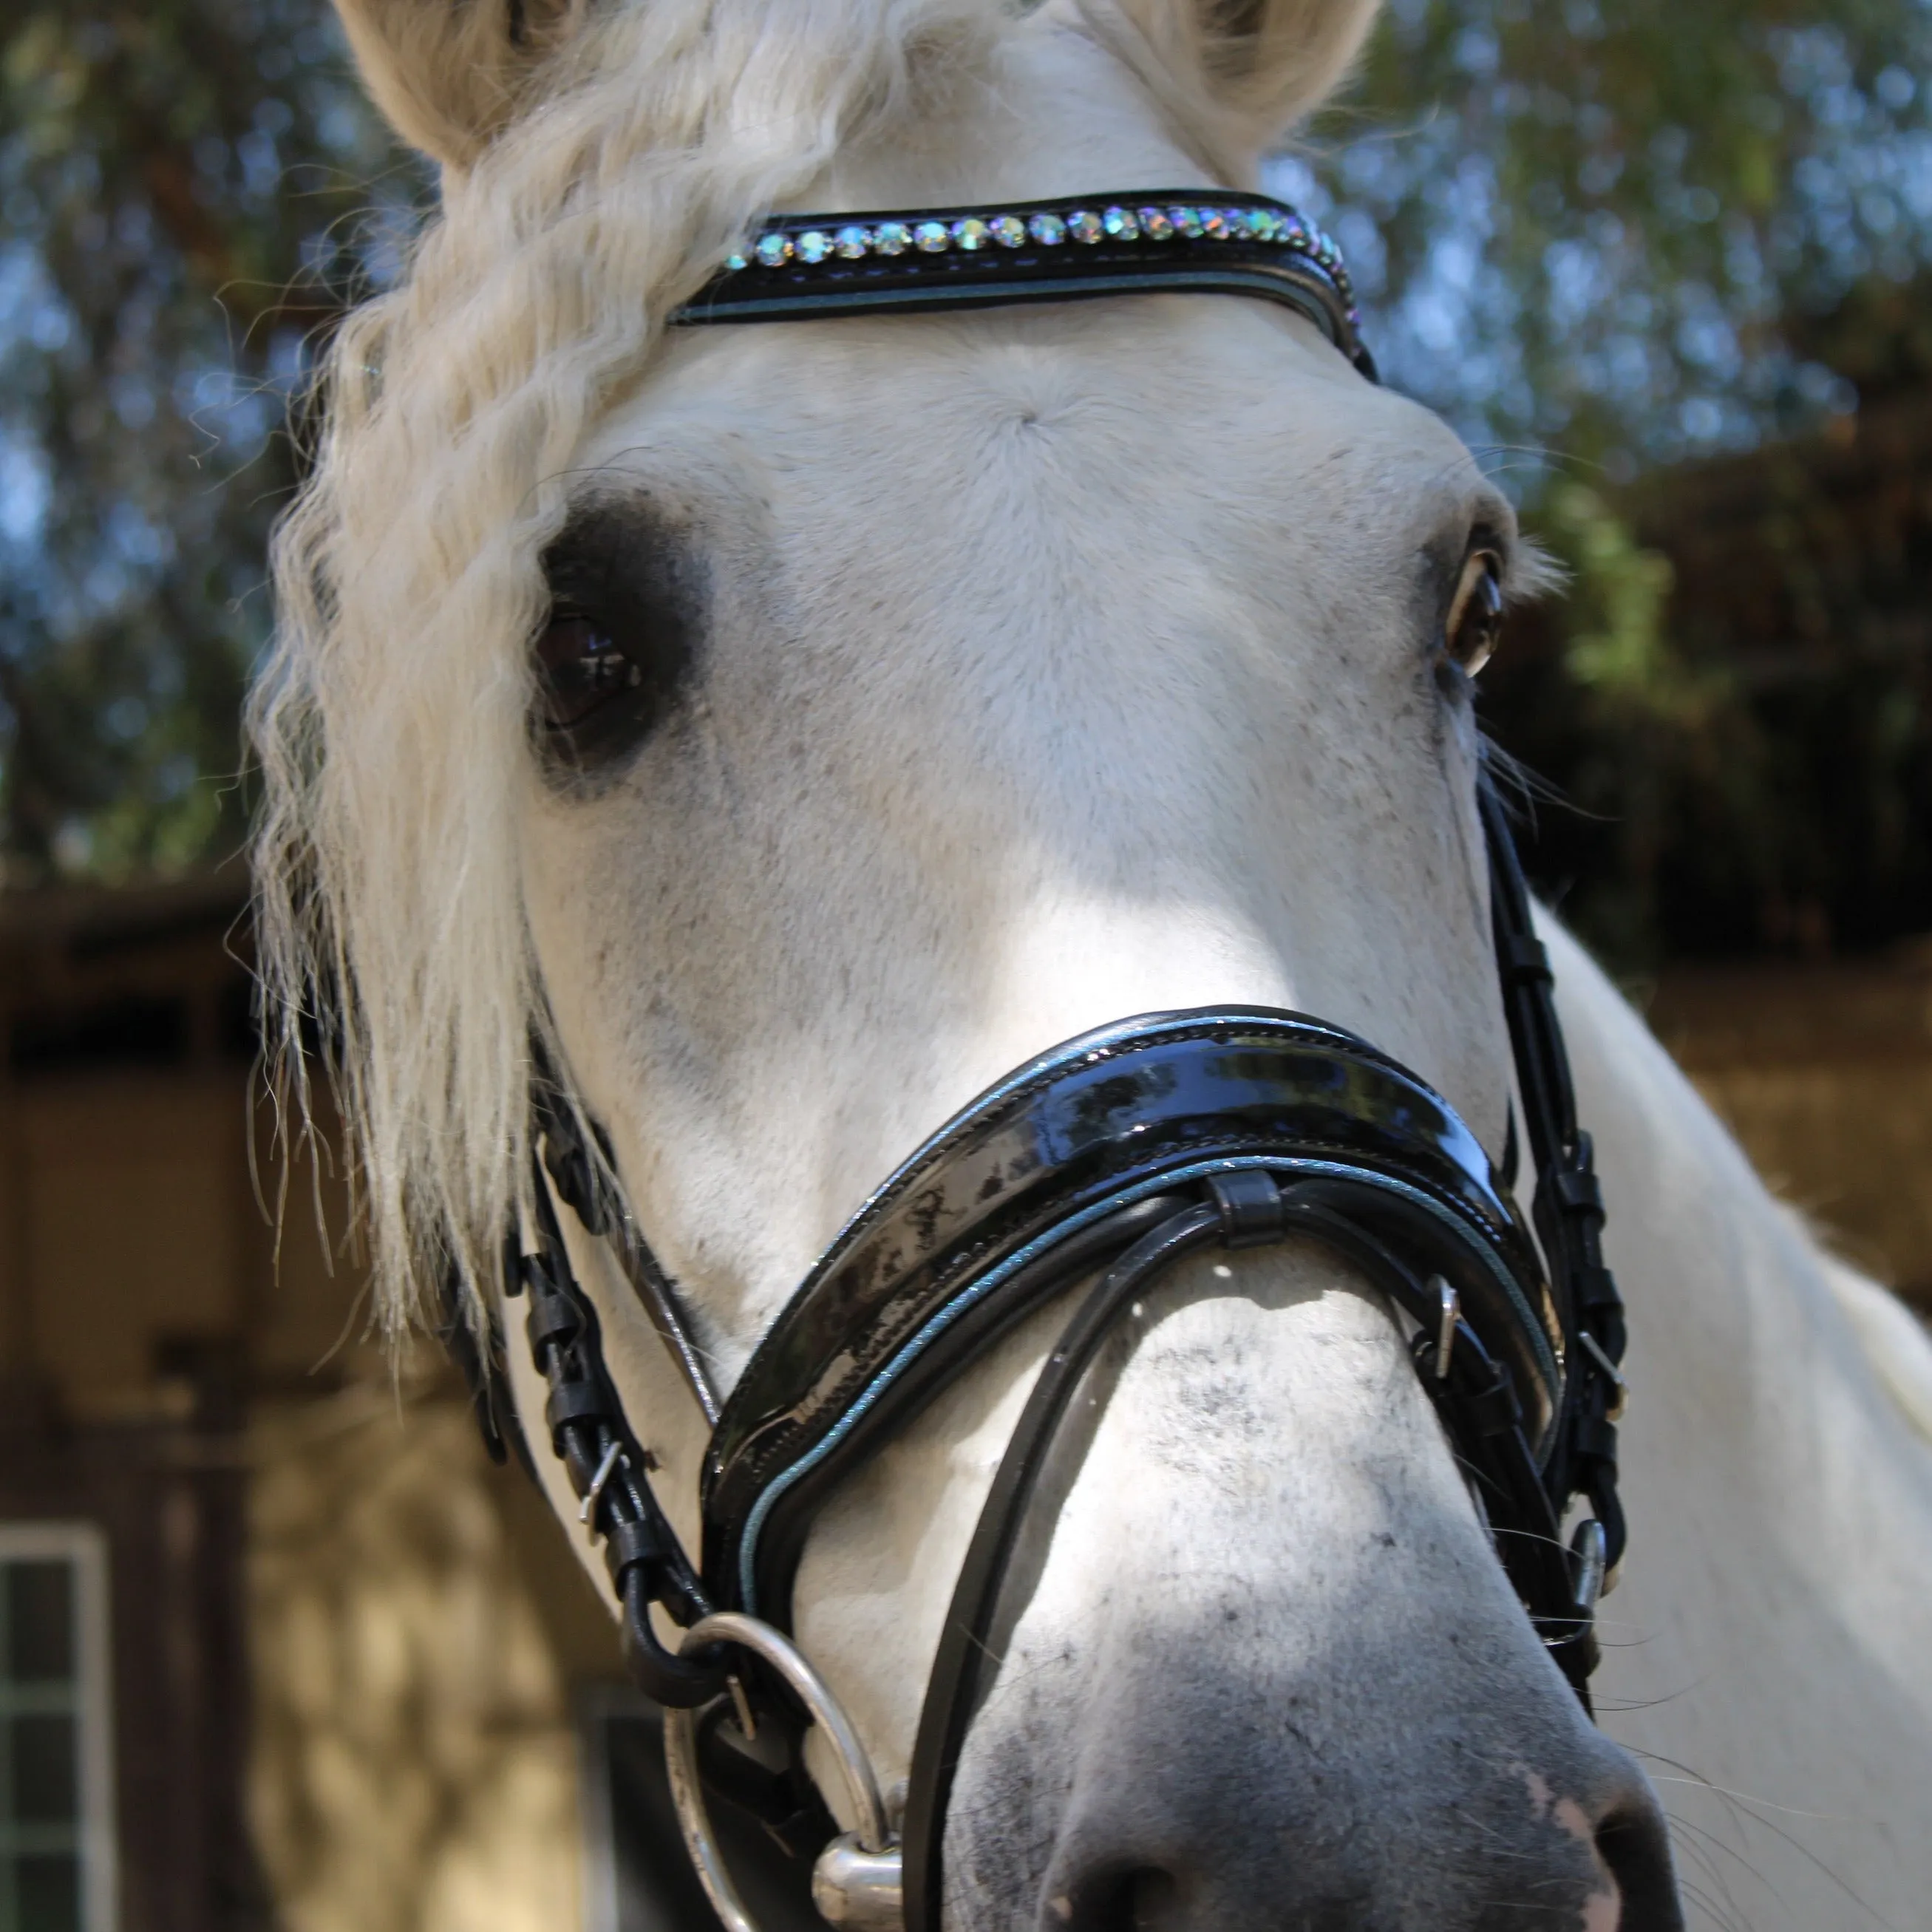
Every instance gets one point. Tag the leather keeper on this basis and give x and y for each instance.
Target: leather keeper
(1494, 1410)
(1577, 1192)
(628, 1544)
(1596, 1287)
(1250, 1205)
(575, 1402)
(569, 1168)
(1523, 960)
(553, 1318)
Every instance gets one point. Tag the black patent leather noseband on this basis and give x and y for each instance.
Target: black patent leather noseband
(1105, 1160)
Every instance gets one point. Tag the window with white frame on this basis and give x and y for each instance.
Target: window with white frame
(56, 1821)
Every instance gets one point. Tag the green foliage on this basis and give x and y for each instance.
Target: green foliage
(1616, 648)
(1608, 239)
(1615, 721)
(1584, 227)
(1735, 697)
(182, 183)
(1603, 235)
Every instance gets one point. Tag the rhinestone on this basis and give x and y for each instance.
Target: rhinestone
(774, 251)
(1083, 225)
(1188, 220)
(814, 245)
(932, 237)
(891, 238)
(733, 263)
(1156, 226)
(1214, 224)
(971, 234)
(1048, 230)
(1008, 230)
(852, 241)
(1257, 224)
(1119, 223)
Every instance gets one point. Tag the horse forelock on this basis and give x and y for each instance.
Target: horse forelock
(389, 718)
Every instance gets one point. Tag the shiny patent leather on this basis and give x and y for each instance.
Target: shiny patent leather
(984, 1220)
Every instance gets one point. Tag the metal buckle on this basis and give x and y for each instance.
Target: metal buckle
(586, 1510)
(1451, 1302)
(1614, 1413)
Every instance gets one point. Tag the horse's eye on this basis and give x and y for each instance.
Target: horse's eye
(1476, 617)
(580, 670)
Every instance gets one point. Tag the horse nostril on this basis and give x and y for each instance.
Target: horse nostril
(1634, 1845)
(1145, 1899)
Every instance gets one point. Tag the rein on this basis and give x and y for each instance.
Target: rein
(1108, 1159)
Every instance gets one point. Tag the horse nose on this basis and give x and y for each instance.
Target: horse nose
(1518, 1854)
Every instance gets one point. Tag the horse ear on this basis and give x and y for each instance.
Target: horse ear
(1265, 64)
(450, 74)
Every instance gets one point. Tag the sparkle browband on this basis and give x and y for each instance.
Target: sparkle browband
(799, 267)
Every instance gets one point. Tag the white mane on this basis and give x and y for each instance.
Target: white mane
(390, 720)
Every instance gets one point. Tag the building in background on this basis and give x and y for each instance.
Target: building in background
(279, 1646)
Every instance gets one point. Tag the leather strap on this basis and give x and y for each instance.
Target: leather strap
(1568, 1204)
(970, 1226)
(1476, 1396)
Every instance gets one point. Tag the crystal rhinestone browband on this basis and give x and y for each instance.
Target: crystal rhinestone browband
(799, 266)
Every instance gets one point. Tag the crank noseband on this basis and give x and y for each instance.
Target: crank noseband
(1061, 1169)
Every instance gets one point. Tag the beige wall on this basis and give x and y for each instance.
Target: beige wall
(417, 1626)
(130, 1227)
(1825, 1073)
(415, 1767)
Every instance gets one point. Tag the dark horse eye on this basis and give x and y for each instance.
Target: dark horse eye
(580, 670)
(1476, 617)
(626, 611)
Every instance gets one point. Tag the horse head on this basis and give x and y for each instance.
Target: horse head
(793, 728)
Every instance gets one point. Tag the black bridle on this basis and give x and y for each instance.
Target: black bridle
(1107, 1159)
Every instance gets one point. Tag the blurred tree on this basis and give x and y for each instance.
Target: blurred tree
(186, 188)
(1602, 235)
(1737, 691)
(1588, 226)
(1607, 238)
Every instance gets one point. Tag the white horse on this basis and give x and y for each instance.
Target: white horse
(997, 677)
